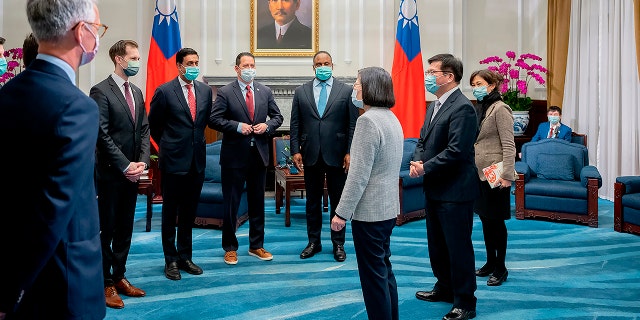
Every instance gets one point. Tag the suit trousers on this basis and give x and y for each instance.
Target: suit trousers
(314, 177)
(233, 184)
(371, 241)
(449, 226)
(117, 198)
(180, 196)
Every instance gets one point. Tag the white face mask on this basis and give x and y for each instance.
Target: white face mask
(86, 55)
(247, 74)
(354, 99)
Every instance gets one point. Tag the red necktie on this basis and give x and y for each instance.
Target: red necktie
(192, 101)
(127, 96)
(550, 133)
(249, 101)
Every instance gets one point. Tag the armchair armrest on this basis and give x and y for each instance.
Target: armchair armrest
(631, 183)
(590, 172)
(523, 168)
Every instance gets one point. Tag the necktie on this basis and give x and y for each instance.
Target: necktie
(191, 99)
(322, 99)
(279, 36)
(249, 101)
(550, 133)
(129, 98)
(435, 109)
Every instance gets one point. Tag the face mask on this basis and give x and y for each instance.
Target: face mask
(323, 73)
(430, 84)
(480, 92)
(132, 68)
(3, 66)
(248, 74)
(88, 56)
(554, 119)
(354, 99)
(191, 73)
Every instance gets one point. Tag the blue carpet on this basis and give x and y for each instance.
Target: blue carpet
(556, 271)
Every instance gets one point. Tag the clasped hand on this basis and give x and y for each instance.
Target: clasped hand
(416, 169)
(134, 171)
(248, 129)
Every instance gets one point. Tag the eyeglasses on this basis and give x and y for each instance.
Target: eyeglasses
(101, 28)
(432, 72)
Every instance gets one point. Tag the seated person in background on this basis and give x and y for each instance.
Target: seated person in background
(553, 129)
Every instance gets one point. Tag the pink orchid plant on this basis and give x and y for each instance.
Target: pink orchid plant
(514, 88)
(14, 64)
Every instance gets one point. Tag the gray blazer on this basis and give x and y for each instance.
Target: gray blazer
(495, 141)
(371, 191)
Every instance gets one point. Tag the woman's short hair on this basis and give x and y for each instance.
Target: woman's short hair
(377, 87)
(492, 78)
(51, 20)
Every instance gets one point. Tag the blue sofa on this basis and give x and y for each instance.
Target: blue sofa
(210, 207)
(556, 182)
(411, 191)
(626, 204)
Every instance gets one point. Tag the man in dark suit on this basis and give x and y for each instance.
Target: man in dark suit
(50, 239)
(444, 155)
(287, 32)
(323, 119)
(177, 119)
(240, 112)
(122, 155)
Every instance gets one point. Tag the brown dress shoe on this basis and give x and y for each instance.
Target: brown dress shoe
(125, 287)
(112, 297)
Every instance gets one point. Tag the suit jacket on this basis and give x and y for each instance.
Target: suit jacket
(446, 149)
(51, 128)
(180, 139)
(543, 132)
(329, 135)
(495, 141)
(229, 109)
(298, 36)
(371, 191)
(120, 139)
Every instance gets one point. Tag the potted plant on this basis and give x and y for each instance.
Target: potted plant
(517, 74)
(14, 64)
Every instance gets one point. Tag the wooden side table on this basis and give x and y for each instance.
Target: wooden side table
(145, 186)
(285, 183)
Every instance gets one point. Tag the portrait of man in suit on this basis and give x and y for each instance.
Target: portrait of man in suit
(282, 27)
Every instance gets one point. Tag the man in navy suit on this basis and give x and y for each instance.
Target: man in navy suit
(554, 128)
(50, 239)
(286, 32)
(444, 155)
(178, 116)
(323, 119)
(240, 112)
(122, 155)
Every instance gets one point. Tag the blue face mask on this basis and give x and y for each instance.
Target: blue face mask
(132, 68)
(3, 66)
(554, 119)
(430, 84)
(480, 92)
(354, 99)
(323, 73)
(191, 73)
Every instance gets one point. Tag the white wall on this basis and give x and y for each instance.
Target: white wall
(357, 33)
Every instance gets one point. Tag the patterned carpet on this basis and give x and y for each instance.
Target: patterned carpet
(556, 271)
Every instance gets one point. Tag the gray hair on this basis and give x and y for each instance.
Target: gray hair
(51, 19)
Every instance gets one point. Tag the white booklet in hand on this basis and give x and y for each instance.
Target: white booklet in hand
(493, 173)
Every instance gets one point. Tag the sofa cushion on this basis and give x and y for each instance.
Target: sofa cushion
(211, 193)
(407, 153)
(212, 170)
(558, 188)
(555, 167)
(631, 200)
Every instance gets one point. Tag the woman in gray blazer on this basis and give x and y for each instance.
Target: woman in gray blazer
(370, 196)
(494, 144)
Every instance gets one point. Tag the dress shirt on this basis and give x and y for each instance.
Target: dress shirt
(282, 30)
(60, 63)
(120, 82)
(243, 88)
(317, 87)
(185, 92)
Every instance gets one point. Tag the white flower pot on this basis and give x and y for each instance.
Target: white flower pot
(520, 122)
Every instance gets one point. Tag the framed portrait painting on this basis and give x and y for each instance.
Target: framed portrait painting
(284, 27)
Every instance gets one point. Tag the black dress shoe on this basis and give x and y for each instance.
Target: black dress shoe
(189, 267)
(310, 250)
(459, 314)
(497, 279)
(484, 270)
(434, 296)
(339, 254)
(171, 271)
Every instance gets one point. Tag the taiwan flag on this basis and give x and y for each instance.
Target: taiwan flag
(165, 43)
(407, 72)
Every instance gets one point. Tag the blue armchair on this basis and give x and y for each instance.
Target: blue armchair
(411, 191)
(626, 204)
(210, 210)
(555, 181)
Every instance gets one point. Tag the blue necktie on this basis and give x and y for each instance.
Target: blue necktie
(322, 100)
